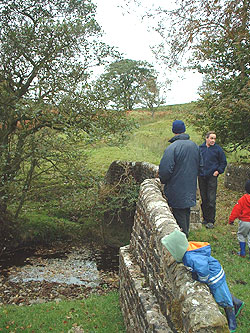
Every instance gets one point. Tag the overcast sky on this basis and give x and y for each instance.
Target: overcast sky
(130, 35)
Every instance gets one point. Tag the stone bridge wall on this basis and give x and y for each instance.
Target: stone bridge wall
(140, 171)
(156, 293)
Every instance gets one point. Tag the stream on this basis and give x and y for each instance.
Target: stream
(31, 276)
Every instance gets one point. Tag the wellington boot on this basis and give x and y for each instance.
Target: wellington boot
(231, 318)
(242, 252)
(238, 305)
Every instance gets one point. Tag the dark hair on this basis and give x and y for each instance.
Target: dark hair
(210, 132)
(247, 186)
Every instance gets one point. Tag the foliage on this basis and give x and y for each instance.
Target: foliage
(150, 95)
(108, 210)
(228, 116)
(72, 197)
(88, 209)
(213, 37)
(93, 314)
(127, 83)
(226, 90)
(46, 50)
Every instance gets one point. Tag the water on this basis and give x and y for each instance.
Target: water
(78, 266)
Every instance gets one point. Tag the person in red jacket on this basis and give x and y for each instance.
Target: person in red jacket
(242, 211)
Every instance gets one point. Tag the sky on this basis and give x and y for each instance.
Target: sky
(131, 36)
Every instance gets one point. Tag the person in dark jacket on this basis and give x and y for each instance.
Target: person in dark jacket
(178, 170)
(214, 160)
(196, 257)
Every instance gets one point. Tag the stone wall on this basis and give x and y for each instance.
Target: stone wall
(236, 176)
(156, 293)
(140, 171)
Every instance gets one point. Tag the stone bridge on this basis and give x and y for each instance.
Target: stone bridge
(156, 293)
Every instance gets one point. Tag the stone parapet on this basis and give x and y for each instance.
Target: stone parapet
(236, 176)
(156, 293)
(138, 170)
(119, 170)
(141, 310)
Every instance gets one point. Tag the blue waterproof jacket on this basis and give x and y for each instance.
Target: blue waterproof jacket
(178, 170)
(214, 159)
(208, 270)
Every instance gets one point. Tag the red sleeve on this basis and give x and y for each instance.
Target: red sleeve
(235, 211)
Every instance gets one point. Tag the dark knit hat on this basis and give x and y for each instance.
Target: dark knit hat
(178, 127)
(247, 186)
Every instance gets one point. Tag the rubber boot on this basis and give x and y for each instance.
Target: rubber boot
(242, 252)
(238, 305)
(231, 319)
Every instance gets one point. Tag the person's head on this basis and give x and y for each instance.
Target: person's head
(210, 138)
(176, 243)
(178, 127)
(247, 186)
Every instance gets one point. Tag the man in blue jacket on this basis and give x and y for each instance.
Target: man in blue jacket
(178, 170)
(215, 162)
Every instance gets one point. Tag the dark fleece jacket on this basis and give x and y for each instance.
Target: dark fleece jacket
(214, 159)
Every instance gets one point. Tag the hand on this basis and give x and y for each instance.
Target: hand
(216, 173)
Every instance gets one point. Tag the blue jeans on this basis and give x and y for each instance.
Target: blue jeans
(208, 189)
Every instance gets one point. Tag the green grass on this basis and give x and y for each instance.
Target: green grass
(146, 143)
(97, 314)
(39, 227)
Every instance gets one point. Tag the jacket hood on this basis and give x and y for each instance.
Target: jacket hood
(182, 136)
(176, 243)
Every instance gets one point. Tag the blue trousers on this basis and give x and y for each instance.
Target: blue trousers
(222, 295)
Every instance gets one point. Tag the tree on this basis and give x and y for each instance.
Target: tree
(213, 37)
(125, 83)
(226, 90)
(150, 95)
(47, 48)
